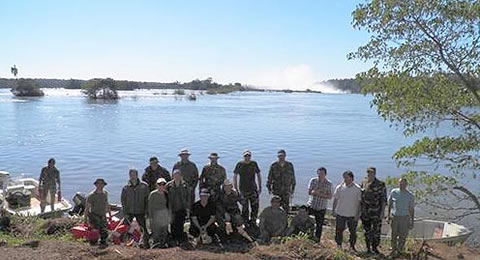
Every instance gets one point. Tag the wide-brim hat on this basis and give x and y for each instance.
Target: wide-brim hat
(184, 151)
(100, 180)
(247, 152)
(213, 156)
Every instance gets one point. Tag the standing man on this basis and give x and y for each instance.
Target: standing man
(179, 203)
(250, 191)
(134, 203)
(401, 214)
(212, 177)
(281, 179)
(153, 172)
(319, 191)
(346, 208)
(374, 200)
(189, 173)
(96, 210)
(47, 185)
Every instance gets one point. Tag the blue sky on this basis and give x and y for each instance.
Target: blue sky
(265, 43)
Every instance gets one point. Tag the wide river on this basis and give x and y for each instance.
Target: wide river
(95, 139)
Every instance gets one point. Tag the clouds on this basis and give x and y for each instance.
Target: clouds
(294, 77)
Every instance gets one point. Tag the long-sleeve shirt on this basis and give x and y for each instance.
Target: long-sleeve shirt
(281, 179)
(188, 171)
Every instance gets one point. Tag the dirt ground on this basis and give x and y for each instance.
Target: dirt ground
(59, 250)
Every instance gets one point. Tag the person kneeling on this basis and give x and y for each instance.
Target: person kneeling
(203, 227)
(273, 221)
(301, 223)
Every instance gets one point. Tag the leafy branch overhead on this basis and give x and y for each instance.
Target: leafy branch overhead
(425, 79)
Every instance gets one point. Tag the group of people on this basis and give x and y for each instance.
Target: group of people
(167, 201)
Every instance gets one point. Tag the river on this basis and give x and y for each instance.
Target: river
(96, 139)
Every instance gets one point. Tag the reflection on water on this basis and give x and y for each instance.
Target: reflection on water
(93, 139)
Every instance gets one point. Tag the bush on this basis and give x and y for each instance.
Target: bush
(101, 89)
(27, 88)
(179, 92)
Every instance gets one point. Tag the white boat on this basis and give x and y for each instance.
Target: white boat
(28, 188)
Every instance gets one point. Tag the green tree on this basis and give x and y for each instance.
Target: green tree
(27, 88)
(100, 89)
(424, 79)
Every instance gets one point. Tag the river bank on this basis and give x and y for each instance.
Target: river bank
(35, 238)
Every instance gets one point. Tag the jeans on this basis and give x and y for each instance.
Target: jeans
(341, 221)
(319, 220)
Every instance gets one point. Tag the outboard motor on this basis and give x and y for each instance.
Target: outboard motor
(80, 202)
(19, 199)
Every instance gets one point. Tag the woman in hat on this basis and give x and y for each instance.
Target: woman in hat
(159, 214)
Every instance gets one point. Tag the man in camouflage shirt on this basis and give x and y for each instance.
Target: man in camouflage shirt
(153, 172)
(374, 199)
(212, 177)
(189, 173)
(281, 179)
(47, 183)
(227, 205)
(273, 221)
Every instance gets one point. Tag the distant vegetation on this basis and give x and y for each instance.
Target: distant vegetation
(100, 88)
(26, 88)
(208, 85)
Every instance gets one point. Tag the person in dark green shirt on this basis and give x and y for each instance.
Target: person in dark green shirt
(96, 210)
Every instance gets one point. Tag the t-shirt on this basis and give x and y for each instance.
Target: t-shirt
(348, 199)
(98, 202)
(400, 202)
(247, 172)
(202, 213)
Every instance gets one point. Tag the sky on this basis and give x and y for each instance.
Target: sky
(272, 44)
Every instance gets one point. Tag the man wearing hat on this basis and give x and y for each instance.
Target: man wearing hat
(159, 214)
(189, 172)
(248, 169)
(96, 210)
(203, 218)
(374, 200)
(281, 179)
(273, 220)
(179, 203)
(212, 177)
(153, 172)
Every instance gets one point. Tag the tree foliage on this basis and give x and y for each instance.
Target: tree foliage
(101, 89)
(27, 88)
(424, 79)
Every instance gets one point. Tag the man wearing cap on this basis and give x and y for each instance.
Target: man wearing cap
(228, 211)
(212, 177)
(134, 202)
(374, 200)
(96, 210)
(281, 179)
(203, 217)
(47, 185)
(189, 172)
(158, 212)
(273, 220)
(346, 209)
(153, 172)
(248, 169)
(179, 203)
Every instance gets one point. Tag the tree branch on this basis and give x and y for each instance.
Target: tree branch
(472, 196)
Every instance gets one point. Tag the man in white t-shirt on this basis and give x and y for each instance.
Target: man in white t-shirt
(346, 208)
